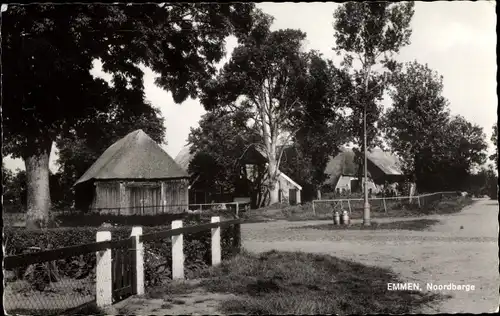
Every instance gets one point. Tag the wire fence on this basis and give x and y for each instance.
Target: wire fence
(234, 207)
(141, 215)
(381, 205)
(48, 287)
(64, 280)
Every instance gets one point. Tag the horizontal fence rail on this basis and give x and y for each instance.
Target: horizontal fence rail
(114, 269)
(167, 208)
(187, 230)
(11, 262)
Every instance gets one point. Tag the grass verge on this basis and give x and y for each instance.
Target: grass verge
(418, 225)
(172, 288)
(299, 283)
(324, 211)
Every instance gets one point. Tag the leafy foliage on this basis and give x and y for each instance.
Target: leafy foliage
(438, 151)
(78, 149)
(261, 76)
(220, 146)
(414, 124)
(494, 140)
(157, 253)
(14, 189)
(322, 122)
(466, 149)
(370, 33)
(484, 182)
(45, 45)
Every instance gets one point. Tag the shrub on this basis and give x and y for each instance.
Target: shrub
(157, 255)
(96, 219)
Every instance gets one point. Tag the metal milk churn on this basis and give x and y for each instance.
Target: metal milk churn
(345, 218)
(336, 218)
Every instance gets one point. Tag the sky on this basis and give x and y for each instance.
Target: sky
(457, 39)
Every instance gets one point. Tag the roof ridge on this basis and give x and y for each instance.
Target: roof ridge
(134, 156)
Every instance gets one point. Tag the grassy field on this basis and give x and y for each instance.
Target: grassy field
(418, 224)
(299, 283)
(324, 210)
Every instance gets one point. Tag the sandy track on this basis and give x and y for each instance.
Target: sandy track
(443, 254)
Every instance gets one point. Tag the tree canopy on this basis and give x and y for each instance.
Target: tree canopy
(262, 76)
(494, 140)
(368, 35)
(218, 147)
(48, 51)
(322, 121)
(437, 151)
(78, 149)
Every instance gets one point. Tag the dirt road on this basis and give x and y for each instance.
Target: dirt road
(444, 254)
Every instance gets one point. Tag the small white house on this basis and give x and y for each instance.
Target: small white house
(348, 183)
(290, 190)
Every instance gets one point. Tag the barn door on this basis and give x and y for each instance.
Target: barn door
(292, 196)
(145, 200)
(137, 201)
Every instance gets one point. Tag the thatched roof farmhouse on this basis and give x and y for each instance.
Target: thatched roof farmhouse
(134, 176)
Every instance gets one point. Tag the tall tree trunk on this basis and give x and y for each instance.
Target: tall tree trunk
(273, 179)
(37, 185)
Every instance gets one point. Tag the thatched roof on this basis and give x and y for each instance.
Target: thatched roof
(387, 162)
(184, 157)
(251, 156)
(135, 156)
(343, 164)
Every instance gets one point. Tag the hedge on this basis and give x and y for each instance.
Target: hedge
(197, 249)
(95, 219)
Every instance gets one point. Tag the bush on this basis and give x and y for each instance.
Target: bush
(96, 220)
(157, 255)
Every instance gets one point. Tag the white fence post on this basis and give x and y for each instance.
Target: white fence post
(177, 253)
(104, 282)
(139, 260)
(314, 210)
(216, 251)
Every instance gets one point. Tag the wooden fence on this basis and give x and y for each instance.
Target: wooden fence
(419, 200)
(234, 207)
(119, 270)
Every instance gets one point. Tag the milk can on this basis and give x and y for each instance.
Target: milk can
(345, 218)
(336, 218)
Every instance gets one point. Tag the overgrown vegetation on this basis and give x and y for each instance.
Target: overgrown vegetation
(418, 224)
(157, 253)
(324, 211)
(294, 283)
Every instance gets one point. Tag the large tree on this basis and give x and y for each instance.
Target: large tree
(262, 75)
(464, 150)
(14, 189)
(494, 140)
(322, 121)
(414, 125)
(369, 34)
(219, 147)
(48, 50)
(437, 151)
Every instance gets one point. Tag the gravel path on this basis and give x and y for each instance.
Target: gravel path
(444, 253)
